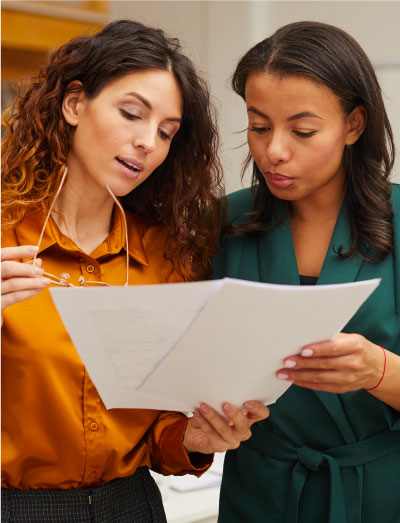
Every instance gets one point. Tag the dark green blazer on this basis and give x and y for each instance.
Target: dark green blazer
(320, 457)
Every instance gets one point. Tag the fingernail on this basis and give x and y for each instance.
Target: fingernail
(290, 363)
(204, 408)
(33, 249)
(45, 281)
(249, 405)
(307, 352)
(282, 376)
(38, 271)
(227, 407)
(38, 262)
(230, 423)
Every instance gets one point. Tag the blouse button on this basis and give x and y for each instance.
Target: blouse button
(90, 268)
(93, 425)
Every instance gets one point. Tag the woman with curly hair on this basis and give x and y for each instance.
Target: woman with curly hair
(321, 211)
(109, 167)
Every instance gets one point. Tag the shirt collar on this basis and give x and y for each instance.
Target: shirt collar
(116, 240)
(28, 233)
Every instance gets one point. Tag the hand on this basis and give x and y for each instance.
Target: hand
(345, 363)
(208, 432)
(19, 281)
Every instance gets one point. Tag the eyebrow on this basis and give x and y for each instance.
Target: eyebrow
(146, 103)
(304, 114)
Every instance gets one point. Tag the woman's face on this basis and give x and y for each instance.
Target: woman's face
(297, 133)
(124, 132)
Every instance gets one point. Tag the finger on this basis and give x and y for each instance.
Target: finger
(238, 421)
(12, 269)
(15, 297)
(215, 441)
(16, 253)
(342, 344)
(14, 285)
(326, 363)
(324, 348)
(256, 411)
(38, 262)
(316, 376)
(219, 424)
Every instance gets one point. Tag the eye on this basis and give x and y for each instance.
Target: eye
(305, 135)
(129, 116)
(164, 135)
(259, 129)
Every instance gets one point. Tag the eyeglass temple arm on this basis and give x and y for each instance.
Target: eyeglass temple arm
(126, 232)
(63, 178)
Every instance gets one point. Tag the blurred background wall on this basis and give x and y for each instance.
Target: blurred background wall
(215, 34)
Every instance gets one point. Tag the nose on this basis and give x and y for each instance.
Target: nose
(277, 149)
(145, 138)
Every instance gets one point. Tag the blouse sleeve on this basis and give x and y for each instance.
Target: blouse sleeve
(168, 455)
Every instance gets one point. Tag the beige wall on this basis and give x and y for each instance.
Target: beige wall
(216, 33)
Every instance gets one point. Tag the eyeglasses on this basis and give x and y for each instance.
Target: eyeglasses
(62, 280)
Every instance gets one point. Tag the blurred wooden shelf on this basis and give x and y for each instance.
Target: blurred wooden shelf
(31, 30)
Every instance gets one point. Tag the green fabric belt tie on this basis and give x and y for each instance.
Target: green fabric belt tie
(308, 460)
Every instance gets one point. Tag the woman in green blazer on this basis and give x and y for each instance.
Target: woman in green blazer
(321, 210)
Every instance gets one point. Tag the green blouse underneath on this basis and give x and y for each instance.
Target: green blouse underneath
(319, 457)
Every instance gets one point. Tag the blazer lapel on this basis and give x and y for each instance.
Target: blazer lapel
(336, 269)
(276, 255)
(270, 257)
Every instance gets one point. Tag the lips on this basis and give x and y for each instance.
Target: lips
(131, 163)
(278, 180)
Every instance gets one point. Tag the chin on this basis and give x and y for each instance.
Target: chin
(123, 189)
(289, 193)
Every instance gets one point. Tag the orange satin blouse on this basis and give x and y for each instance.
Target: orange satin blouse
(56, 432)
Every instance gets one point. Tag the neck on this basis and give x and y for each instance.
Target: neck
(321, 207)
(83, 212)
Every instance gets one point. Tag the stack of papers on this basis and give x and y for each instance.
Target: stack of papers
(173, 346)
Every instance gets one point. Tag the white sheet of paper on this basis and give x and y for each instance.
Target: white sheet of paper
(171, 346)
(121, 333)
(237, 343)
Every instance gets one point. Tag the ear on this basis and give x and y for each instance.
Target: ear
(73, 101)
(356, 122)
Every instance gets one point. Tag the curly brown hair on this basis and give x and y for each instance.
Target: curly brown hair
(330, 56)
(182, 193)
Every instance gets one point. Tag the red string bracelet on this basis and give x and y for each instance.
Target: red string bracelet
(383, 373)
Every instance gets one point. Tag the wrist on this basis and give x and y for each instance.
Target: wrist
(380, 370)
(186, 439)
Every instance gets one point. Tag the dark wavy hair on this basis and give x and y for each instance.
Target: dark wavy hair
(182, 193)
(330, 56)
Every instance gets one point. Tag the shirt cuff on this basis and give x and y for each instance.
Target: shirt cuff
(175, 454)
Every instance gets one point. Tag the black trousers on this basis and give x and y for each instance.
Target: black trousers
(135, 499)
